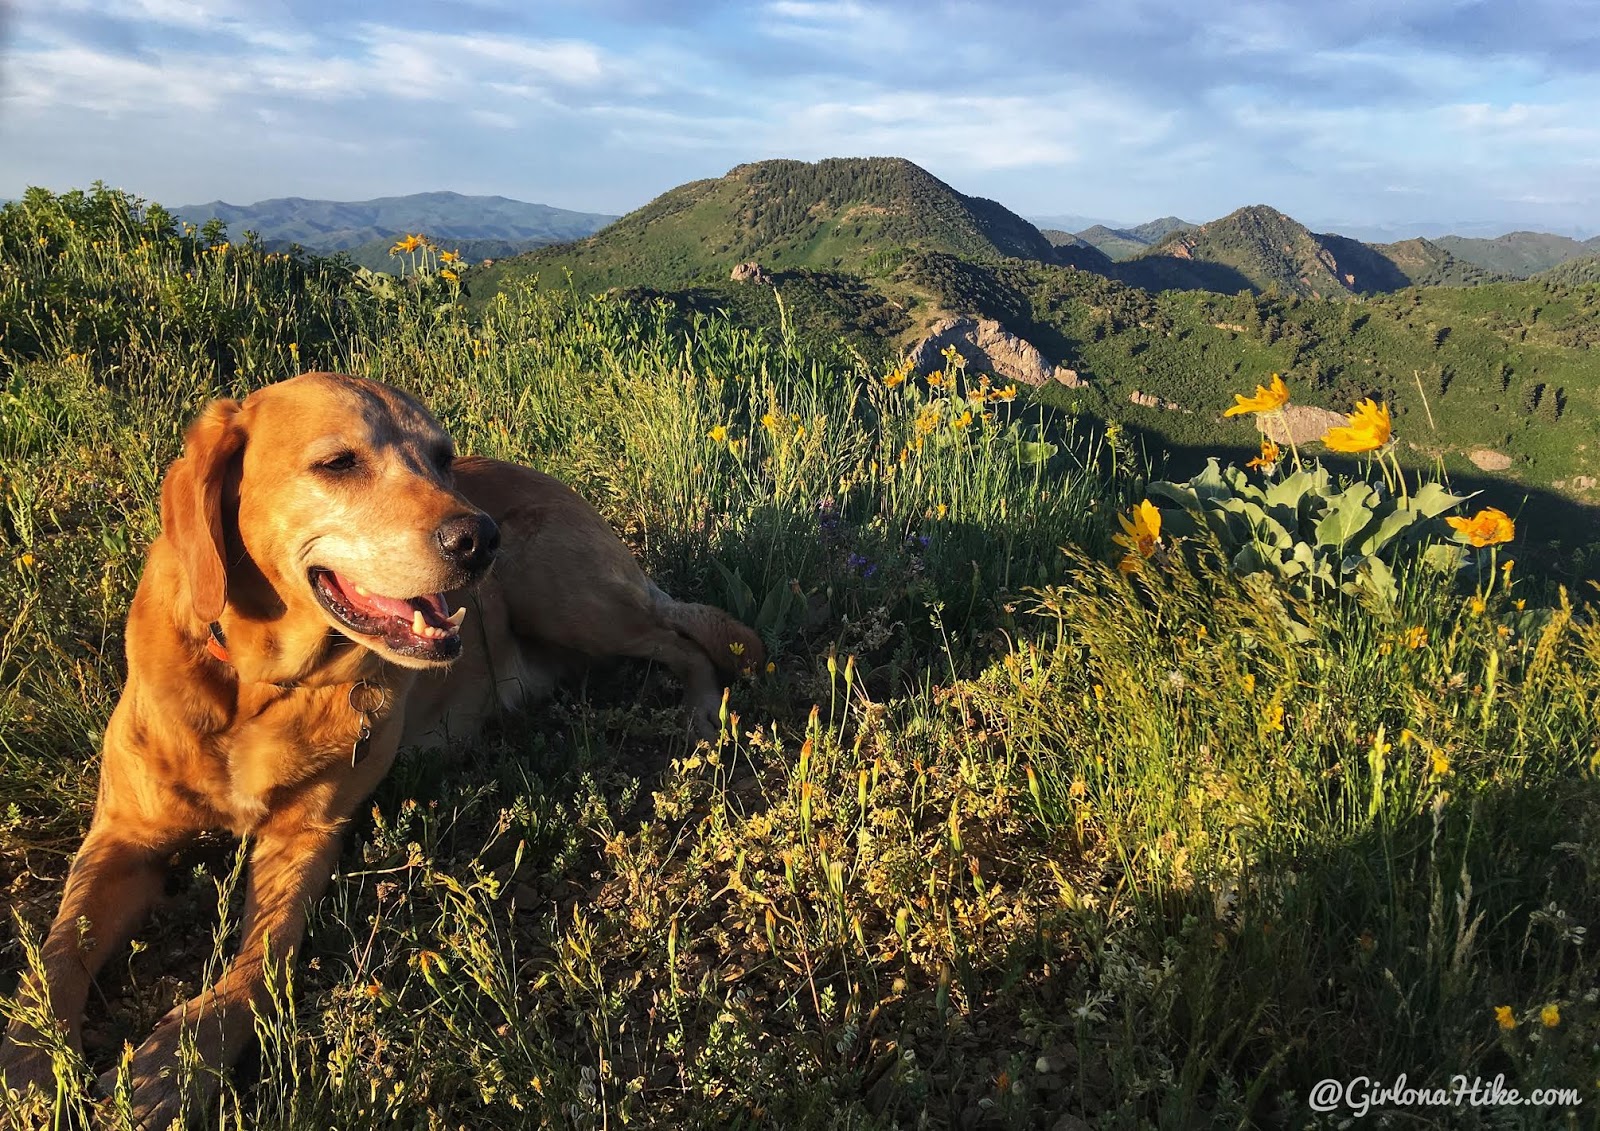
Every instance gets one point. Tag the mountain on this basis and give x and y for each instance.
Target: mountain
(1574, 272)
(862, 215)
(1069, 222)
(1519, 254)
(1124, 243)
(330, 225)
(1260, 247)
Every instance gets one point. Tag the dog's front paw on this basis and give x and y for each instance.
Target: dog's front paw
(156, 1097)
(23, 1067)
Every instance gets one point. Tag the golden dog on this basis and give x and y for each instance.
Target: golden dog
(292, 629)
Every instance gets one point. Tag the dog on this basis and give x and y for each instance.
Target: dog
(320, 595)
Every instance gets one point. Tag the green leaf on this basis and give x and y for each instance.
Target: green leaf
(1387, 528)
(1432, 500)
(1348, 514)
(1032, 452)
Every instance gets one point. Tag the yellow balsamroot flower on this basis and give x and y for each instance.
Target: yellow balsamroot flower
(935, 379)
(1268, 398)
(719, 433)
(449, 257)
(961, 421)
(1504, 1018)
(1550, 1015)
(446, 273)
(1417, 637)
(1489, 527)
(408, 244)
(898, 377)
(769, 421)
(1009, 393)
(1268, 457)
(1440, 763)
(1141, 533)
(1368, 429)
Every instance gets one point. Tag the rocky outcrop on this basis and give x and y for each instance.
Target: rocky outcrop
(1487, 459)
(988, 347)
(1150, 400)
(1299, 423)
(751, 272)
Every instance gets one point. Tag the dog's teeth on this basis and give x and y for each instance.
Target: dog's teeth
(417, 623)
(458, 616)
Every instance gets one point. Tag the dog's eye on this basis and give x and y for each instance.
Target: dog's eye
(344, 461)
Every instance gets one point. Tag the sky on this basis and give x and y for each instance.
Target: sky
(1374, 112)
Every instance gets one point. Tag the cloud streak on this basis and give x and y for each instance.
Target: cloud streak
(1435, 109)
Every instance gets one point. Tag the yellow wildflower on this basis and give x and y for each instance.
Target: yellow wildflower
(1268, 398)
(927, 420)
(1417, 637)
(1477, 606)
(449, 257)
(1141, 533)
(1441, 763)
(1009, 393)
(961, 421)
(1268, 457)
(1368, 429)
(446, 273)
(406, 245)
(26, 561)
(719, 433)
(898, 377)
(769, 421)
(1489, 527)
(736, 648)
(1504, 1018)
(1550, 1015)
(771, 667)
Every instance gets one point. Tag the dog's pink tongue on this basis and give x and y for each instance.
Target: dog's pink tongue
(431, 605)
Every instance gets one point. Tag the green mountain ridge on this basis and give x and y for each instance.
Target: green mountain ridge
(1519, 254)
(874, 251)
(329, 225)
(1264, 248)
(855, 214)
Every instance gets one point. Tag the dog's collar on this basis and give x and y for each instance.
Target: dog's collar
(217, 645)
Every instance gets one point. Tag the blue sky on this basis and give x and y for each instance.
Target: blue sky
(1373, 112)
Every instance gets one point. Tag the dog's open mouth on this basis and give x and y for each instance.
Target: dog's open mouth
(419, 627)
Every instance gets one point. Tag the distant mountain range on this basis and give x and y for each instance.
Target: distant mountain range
(367, 228)
(1490, 374)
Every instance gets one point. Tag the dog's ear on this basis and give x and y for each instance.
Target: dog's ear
(191, 504)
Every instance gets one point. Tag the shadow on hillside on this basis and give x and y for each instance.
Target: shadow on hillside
(1556, 537)
(1174, 273)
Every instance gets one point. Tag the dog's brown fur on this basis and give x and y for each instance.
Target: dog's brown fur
(261, 743)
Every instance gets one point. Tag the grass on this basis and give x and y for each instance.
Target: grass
(1007, 837)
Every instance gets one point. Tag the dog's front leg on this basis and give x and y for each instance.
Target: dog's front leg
(290, 863)
(113, 882)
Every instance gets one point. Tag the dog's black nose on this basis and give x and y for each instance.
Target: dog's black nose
(469, 541)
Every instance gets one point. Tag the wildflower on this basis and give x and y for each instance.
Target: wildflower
(1441, 763)
(1009, 393)
(1268, 457)
(1140, 535)
(26, 561)
(1417, 637)
(446, 273)
(1268, 398)
(1368, 429)
(736, 648)
(407, 245)
(1275, 718)
(927, 420)
(449, 257)
(1550, 1015)
(771, 667)
(898, 377)
(1249, 683)
(941, 510)
(1489, 527)
(769, 421)
(1477, 606)
(1504, 1018)
(935, 379)
(718, 434)
(961, 421)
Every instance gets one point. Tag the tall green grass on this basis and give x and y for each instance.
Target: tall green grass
(1004, 836)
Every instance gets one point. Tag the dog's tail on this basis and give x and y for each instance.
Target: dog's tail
(733, 647)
